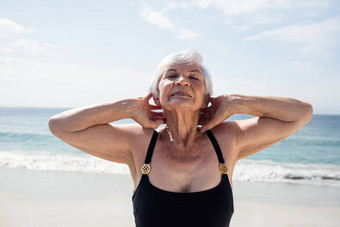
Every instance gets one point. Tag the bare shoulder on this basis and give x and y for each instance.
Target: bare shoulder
(225, 134)
(226, 131)
(140, 139)
(139, 136)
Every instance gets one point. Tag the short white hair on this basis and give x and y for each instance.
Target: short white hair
(184, 57)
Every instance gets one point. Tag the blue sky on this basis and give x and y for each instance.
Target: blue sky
(74, 53)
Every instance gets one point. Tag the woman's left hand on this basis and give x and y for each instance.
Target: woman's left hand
(219, 110)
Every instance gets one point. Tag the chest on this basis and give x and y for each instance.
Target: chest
(191, 170)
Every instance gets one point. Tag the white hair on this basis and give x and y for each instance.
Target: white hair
(184, 57)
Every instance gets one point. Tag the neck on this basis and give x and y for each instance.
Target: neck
(181, 128)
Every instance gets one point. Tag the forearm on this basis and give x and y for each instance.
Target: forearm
(284, 109)
(84, 117)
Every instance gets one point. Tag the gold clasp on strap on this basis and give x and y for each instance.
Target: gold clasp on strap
(146, 168)
(223, 168)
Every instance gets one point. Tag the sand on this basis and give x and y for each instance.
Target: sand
(37, 198)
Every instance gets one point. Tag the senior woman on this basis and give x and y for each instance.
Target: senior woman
(181, 173)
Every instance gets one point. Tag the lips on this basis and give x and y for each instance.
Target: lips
(181, 93)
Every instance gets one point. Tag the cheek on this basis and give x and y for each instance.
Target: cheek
(164, 86)
(200, 95)
(199, 90)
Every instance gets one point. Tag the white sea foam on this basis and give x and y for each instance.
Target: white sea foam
(268, 171)
(245, 170)
(51, 162)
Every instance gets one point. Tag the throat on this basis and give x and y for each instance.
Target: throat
(181, 140)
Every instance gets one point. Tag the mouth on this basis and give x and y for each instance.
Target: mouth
(181, 94)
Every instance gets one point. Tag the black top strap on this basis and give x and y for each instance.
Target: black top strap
(216, 146)
(151, 147)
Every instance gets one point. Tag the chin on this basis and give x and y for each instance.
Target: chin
(181, 105)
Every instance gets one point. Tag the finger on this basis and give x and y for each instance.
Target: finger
(154, 124)
(212, 100)
(204, 128)
(157, 114)
(155, 107)
(148, 96)
(150, 124)
(208, 126)
(160, 121)
(158, 118)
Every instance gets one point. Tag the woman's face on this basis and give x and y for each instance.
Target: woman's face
(182, 86)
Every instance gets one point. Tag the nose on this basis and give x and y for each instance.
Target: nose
(181, 80)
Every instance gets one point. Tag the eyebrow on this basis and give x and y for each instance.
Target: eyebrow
(174, 70)
(195, 70)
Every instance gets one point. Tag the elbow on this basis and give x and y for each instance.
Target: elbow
(307, 113)
(53, 125)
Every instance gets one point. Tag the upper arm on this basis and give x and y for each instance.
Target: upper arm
(106, 141)
(255, 134)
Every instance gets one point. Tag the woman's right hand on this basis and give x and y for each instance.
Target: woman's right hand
(143, 113)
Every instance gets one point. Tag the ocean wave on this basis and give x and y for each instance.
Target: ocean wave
(51, 162)
(269, 171)
(245, 170)
(23, 136)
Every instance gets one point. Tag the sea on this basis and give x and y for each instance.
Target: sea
(309, 156)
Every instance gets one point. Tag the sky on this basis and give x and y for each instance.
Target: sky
(70, 53)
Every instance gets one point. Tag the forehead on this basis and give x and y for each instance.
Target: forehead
(184, 67)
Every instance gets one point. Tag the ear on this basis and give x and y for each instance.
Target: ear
(206, 100)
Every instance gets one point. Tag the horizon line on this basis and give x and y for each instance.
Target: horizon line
(66, 108)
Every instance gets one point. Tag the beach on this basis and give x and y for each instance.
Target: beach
(45, 182)
(57, 198)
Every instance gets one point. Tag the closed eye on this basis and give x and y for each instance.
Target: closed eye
(172, 76)
(194, 78)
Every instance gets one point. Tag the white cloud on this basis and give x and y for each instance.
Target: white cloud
(11, 39)
(236, 7)
(172, 5)
(241, 7)
(27, 46)
(317, 37)
(156, 17)
(263, 11)
(9, 28)
(187, 34)
(37, 83)
(241, 13)
(302, 80)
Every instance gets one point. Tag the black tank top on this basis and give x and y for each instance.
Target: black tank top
(154, 207)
